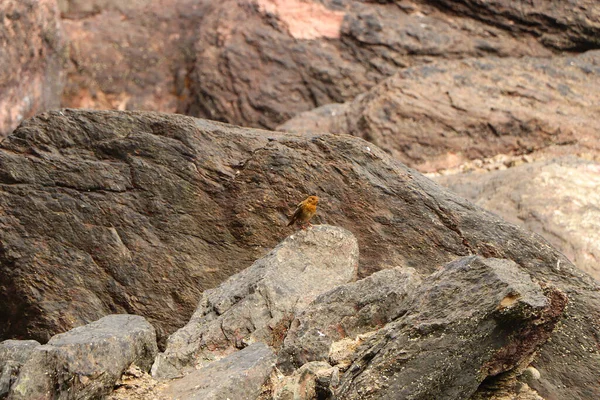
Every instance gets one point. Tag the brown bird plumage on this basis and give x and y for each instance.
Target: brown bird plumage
(305, 211)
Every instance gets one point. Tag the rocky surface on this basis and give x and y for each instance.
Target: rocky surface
(238, 376)
(313, 380)
(87, 361)
(143, 211)
(129, 55)
(13, 353)
(440, 115)
(564, 207)
(259, 303)
(456, 333)
(561, 24)
(345, 312)
(260, 63)
(32, 58)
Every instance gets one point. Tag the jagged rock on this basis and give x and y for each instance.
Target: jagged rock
(440, 115)
(564, 207)
(13, 353)
(557, 24)
(240, 375)
(32, 60)
(259, 303)
(294, 55)
(344, 313)
(131, 55)
(148, 210)
(314, 380)
(471, 321)
(86, 361)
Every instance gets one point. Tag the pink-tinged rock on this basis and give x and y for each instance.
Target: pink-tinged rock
(259, 63)
(129, 55)
(32, 58)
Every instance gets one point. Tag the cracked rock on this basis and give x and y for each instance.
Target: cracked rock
(470, 321)
(86, 362)
(259, 303)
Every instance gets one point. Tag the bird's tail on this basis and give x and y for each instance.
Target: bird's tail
(291, 221)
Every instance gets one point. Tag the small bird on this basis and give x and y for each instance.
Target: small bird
(305, 211)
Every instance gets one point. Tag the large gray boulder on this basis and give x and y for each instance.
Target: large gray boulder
(239, 376)
(259, 303)
(345, 312)
(471, 321)
(86, 362)
(564, 207)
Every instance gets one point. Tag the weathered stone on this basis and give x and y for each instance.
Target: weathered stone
(86, 361)
(473, 319)
(440, 115)
(148, 210)
(13, 353)
(314, 380)
(32, 60)
(240, 375)
(259, 303)
(558, 24)
(132, 55)
(345, 312)
(293, 55)
(564, 207)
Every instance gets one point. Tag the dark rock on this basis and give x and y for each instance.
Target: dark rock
(345, 312)
(564, 207)
(440, 115)
(471, 321)
(13, 353)
(240, 375)
(560, 24)
(142, 211)
(292, 56)
(86, 361)
(259, 303)
(32, 60)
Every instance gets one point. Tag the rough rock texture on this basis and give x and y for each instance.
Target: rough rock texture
(148, 210)
(32, 58)
(474, 319)
(562, 24)
(129, 55)
(13, 353)
(258, 63)
(314, 380)
(86, 361)
(259, 303)
(240, 375)
(564, 207)
(345, 312)
(440, 115)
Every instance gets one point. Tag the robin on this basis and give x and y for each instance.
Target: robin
(305, 211)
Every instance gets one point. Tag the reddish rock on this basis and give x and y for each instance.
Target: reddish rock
(260, 63)
(32, 58)
(129, 55)
(440, 115)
